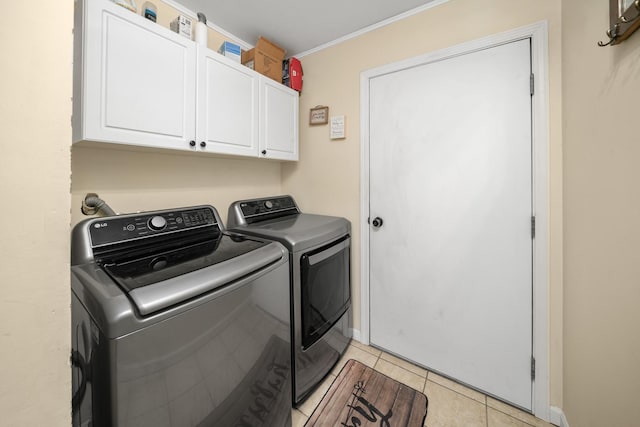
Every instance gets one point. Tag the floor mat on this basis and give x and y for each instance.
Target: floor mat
(362, 396)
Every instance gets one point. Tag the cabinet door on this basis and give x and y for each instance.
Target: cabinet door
(227, 105)
(278, 121)
(138, 82)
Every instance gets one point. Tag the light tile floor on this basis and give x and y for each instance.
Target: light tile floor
(450, 404)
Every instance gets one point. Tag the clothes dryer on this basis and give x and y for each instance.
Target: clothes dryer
(320, 270)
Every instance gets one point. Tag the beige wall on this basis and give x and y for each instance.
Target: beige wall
(131, 181)
(600, 381)
(35, 111)
(327, 177)
(35, 172)
(602, 209)
(166, 14)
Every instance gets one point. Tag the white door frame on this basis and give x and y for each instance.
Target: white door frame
(538, 33)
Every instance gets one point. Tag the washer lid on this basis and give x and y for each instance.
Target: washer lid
(139, 270)
(168, 276)
(160, 295)
(118, 313)
(299, 231)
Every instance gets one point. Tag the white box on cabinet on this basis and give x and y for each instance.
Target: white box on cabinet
(182, 26)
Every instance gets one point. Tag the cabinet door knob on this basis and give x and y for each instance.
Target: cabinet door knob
(192, 143)
(203, 144)
(264, 152)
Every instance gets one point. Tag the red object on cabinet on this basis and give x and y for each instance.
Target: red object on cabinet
(295, 74)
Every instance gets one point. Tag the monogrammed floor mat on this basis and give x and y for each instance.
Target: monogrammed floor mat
(363, 397)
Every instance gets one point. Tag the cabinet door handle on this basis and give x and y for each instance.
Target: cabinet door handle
(264, 152)
(203, 144)
(192, 143)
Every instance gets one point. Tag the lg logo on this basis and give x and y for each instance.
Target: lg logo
(100, 224)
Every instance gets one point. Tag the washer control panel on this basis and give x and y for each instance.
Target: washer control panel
(122, 228)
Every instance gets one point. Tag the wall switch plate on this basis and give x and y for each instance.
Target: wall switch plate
(337, 127)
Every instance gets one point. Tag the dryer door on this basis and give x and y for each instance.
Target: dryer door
(325, 288)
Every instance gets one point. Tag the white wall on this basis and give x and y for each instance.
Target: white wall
(35, 113)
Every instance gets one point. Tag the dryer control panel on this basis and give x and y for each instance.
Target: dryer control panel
(116, 229)
(245, 212)
(253, 210)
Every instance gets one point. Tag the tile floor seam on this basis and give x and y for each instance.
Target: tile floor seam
(462, 394)
(511, 416)
(403, 368)
(522, 421)
(371, 350)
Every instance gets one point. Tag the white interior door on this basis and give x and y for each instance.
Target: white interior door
(451, 178)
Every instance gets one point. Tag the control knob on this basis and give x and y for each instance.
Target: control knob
(268, 204)
(157, 223)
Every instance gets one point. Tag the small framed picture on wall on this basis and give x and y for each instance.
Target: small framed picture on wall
(319, 115)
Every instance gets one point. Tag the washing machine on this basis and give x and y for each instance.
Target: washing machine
(175, 322)
(320, 271)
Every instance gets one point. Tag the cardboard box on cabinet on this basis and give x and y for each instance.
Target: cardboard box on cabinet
(266, 58)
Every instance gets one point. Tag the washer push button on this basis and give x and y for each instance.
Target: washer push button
(157, 223)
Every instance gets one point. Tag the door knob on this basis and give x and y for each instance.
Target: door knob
(377, 222)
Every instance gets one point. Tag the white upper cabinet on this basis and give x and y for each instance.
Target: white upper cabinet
(134, 81)
(278, 121)
(227, 95)
(138, 83)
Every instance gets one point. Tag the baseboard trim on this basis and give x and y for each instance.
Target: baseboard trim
(355, 334)
(557, 417)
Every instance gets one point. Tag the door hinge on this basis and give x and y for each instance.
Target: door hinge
(532, 84)
(533, 368)
(533, 227)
